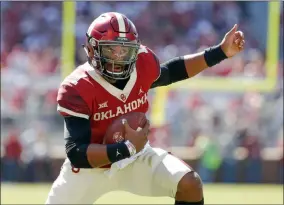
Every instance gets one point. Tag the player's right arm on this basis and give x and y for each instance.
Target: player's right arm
(77, 133)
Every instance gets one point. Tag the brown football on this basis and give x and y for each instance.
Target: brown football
(115, 132)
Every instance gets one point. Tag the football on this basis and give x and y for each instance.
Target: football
(115, 132)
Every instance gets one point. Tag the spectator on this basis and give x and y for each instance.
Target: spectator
(12, 164)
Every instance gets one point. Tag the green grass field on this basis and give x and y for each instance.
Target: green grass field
(214, 194)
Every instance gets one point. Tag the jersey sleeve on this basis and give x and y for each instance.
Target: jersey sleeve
(155, 70)
(70, 103)
(150, 62)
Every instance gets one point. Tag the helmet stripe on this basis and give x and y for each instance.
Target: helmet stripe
(121, 24)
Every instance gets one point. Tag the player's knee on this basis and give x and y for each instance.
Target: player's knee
(191, 184)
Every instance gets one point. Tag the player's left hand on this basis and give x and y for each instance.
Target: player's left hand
(233, 42)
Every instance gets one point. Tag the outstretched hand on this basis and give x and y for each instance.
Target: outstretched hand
(233, 42)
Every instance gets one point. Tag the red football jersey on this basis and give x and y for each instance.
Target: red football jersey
(85, 93)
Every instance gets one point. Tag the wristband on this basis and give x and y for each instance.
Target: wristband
(214, 55)
(131, 148)
(117, 152)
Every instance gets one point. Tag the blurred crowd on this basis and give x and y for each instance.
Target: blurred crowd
(31, 35)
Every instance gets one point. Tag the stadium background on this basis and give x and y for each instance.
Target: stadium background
(227, 122)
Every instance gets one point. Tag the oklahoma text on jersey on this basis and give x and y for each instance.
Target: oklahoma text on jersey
(120, 110)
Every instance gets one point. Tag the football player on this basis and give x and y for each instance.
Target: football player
(114, 81)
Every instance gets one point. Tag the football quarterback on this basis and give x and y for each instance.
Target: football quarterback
(114, 80)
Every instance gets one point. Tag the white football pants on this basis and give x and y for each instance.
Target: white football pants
(154, 173)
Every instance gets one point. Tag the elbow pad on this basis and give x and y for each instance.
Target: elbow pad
(177, 69)
(172, 71)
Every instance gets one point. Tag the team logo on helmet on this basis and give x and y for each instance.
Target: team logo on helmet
(93, 42)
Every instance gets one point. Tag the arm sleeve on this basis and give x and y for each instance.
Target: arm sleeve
(171, 71)
(70, 103)
(77, 135)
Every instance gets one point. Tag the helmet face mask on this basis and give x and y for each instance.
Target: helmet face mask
(117, 59)
(111, 53)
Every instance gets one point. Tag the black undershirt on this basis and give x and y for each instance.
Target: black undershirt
(120, 84)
